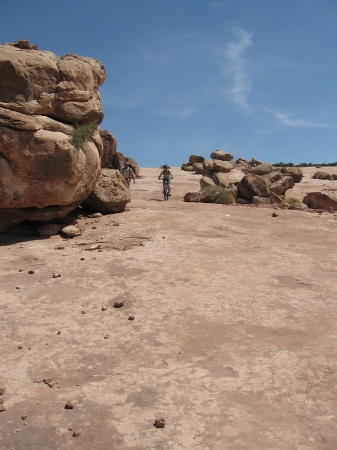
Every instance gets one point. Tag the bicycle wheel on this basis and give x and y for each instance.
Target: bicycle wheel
(166, 193)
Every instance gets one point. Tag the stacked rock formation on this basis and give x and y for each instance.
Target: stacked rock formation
(248, 181)
(42, 96)
(111, 159)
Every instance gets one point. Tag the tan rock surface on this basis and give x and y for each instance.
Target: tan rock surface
(233, 340)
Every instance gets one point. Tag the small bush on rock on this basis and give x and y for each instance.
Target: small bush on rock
(82, 133)
(292, 200)
(216, 194)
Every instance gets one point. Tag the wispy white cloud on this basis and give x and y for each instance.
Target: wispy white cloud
(236, 66)
(217, 5)
(286, 120)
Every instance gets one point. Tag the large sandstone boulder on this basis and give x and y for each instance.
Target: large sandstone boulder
(262, 169)
(282, 185)
(206, 181)
(111, 193)
(216, 165)
(42, 175)
(294, 172)
(196, 159)
(192, 197)
(320, 200)
(219, 154)
(273, 176)
(198, 167)
(185, 165)
(252, 185)
(216, 194)
(109, 149)
(319, 175)
(228, 178)
(39, 82)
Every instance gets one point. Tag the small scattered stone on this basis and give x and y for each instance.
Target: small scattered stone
(56, 275)
(159, 423)
(59, 332)
(20, 347)
(82, 259)
(103, 308)
(60, 247)
(274, 214)
(131, 318)
(71, 231)
(84, 312)
(17, 287)
(69, 405)
(95, 215)
(118, 304)
(31, 272)
(21, 270)
(24, 417)
(2, 391)
(76, 433)
(106, 336)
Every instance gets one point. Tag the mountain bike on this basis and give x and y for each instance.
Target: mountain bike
(165, 189)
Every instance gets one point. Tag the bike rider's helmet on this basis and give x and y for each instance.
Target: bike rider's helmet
(166, 166)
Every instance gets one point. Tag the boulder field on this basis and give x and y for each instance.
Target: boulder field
(248, 181)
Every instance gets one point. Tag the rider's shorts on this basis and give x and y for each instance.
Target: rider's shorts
(168, 180)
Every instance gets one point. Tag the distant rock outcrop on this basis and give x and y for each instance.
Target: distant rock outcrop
(320, 175)
(251, 181)
(42, 96)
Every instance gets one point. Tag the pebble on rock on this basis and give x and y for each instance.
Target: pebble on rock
(20, 347)
(274, 215)
(31, 272)
(59, 332)
(103, 308)
(159, 423)
(76, 433)
(131, 318)
(2, 391)
(118, 304)
(107, 336)
(69, 405)
(24, 417)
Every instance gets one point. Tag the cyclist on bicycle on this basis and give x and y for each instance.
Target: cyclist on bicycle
(127, 173)
(167, 175)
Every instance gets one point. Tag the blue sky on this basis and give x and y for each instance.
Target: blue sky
(257, 78)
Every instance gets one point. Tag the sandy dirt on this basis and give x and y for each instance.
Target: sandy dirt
(233, 340)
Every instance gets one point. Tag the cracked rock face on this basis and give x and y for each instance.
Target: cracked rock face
(42, 96)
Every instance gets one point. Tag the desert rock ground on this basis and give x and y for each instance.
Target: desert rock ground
(233, 340)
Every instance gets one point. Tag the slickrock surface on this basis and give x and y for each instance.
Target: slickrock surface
(233, 340)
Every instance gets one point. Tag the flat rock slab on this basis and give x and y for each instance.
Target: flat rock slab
(234, 342)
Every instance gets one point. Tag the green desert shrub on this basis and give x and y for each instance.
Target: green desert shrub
(292, 200)
(81, 134)
(216, 194)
